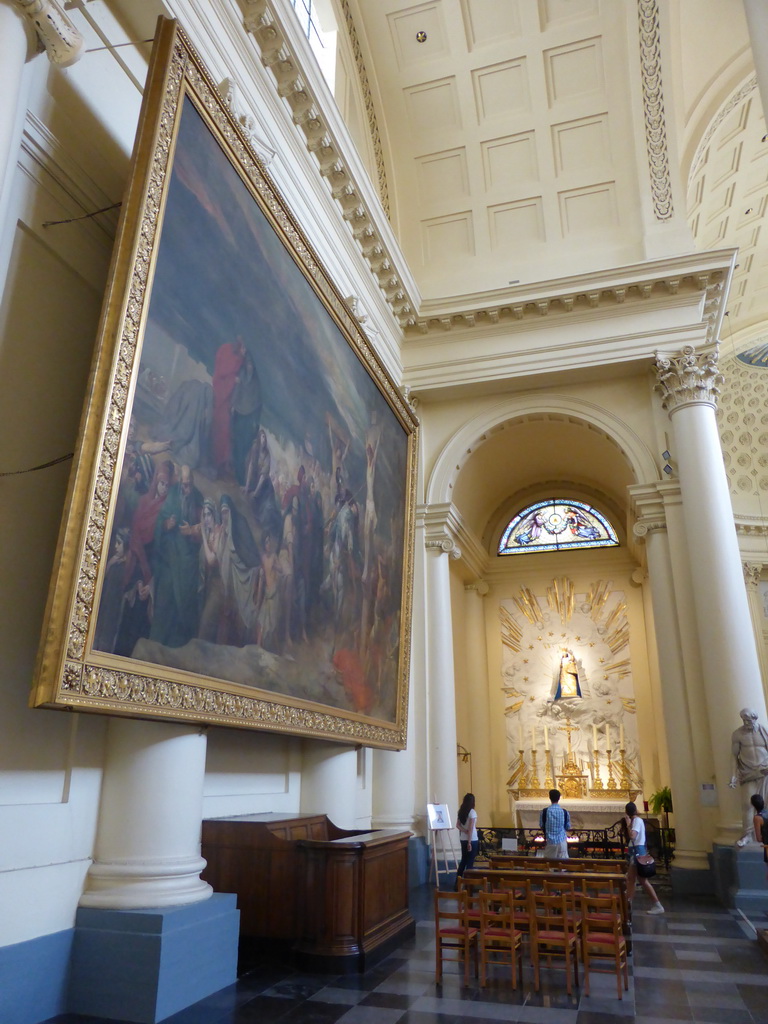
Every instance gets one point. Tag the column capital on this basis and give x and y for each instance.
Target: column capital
(688, 378)
(752, 573)
(440, 528)
(643, 527)
(479, 587)
(56, 33)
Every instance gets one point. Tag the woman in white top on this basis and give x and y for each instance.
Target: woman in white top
(637, 847)
(466, 823)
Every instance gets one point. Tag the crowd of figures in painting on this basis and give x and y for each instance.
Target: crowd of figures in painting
(258, 528)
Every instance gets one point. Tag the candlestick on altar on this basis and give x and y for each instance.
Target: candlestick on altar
(548, 779)
(534, 783)
(546, 737)
(597, 782)
(621, 736)
(523, 782)
(611, 779)
(623, 769)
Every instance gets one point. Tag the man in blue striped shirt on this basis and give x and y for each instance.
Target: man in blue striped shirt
(555, 823)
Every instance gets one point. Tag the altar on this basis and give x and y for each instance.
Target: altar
(591, 814)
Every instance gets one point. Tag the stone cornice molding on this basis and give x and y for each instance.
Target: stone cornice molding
(58, 36)
(365, 86)
(752, 573)
(641, 285)
(653, 108)
(689, 378)
(751, 526)
(337, 161)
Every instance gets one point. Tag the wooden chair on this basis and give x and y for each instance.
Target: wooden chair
(602, 939)
(473, 887)
(553, 935)
(501, 942)
(519, 891)
(453, 934)
(569, 888)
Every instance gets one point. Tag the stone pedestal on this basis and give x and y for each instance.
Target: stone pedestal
(144, 965)
(740, 878)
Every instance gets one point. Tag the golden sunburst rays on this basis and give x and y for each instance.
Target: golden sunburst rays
(511, 632)
(598, 594)
(629, 704)
(615, 628)
(619, 668)
(528, 604)
(512, 709)
(561, 598)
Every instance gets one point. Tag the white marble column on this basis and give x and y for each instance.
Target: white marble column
(394, 781)
(689, 385)
(329, 781)
(684, 783)
(478, 709)
(442, 765)
(148, 837)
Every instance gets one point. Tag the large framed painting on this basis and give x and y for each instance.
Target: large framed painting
(238, 538)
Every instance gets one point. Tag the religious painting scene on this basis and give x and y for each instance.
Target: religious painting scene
(569, 697)
(259, 525)
(554, 524)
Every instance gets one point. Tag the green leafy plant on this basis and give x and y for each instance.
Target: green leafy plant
(661, 800)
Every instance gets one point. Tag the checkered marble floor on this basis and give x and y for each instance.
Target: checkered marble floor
(697, 962)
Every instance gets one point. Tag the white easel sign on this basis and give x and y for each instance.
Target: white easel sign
(439, 816)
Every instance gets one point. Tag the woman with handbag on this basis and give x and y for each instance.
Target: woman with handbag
(638, 858)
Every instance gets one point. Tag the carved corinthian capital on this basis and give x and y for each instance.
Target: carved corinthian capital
(690, 377)
(61, 40)
(752, 574)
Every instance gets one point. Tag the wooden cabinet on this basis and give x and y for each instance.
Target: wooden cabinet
(338, 897)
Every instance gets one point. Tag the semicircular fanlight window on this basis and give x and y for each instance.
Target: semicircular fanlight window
(554, 525)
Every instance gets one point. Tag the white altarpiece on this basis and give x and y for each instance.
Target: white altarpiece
(569, 698)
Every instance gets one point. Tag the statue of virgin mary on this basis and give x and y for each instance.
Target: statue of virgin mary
(568, 680)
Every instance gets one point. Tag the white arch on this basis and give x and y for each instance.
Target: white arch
(469, 437)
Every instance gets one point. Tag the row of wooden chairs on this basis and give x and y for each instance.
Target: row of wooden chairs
(489, 928)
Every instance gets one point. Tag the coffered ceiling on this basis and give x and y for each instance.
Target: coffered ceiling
(516, 151)
(507, 149)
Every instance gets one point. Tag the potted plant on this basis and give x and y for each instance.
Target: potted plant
(660, 802)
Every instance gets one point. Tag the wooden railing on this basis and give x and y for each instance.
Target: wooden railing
(603, 843)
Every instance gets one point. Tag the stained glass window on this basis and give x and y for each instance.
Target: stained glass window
(554, 525)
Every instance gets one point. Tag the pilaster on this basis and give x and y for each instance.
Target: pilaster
(752, 575)
(651, 528)
(441, 547)
(475, 734)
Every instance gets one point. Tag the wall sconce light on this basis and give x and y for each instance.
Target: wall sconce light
(465, 756)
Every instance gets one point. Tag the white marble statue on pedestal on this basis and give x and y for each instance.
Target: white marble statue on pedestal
(749, 746)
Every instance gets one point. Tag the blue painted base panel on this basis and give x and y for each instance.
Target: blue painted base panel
(33, 978)
(144, 965)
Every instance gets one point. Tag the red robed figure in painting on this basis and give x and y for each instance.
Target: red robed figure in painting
(229, 361)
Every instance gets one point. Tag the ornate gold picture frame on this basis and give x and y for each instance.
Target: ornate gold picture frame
(237, 542)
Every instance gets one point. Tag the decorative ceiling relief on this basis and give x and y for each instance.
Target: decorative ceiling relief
(742, 416)
(570, 704)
